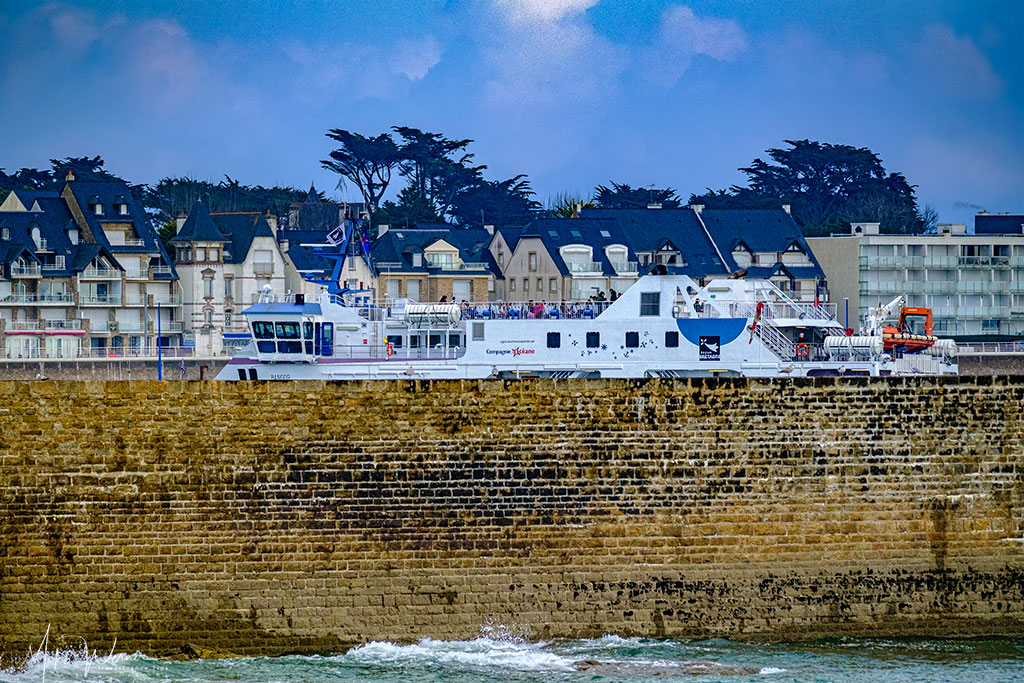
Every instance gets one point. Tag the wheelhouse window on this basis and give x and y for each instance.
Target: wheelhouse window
(262, 330)
(593, 340)
(287, 330)
(554, 340)
(632, 340)
(650, 303)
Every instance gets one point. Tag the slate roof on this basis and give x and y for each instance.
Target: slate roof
(761, 230)
(198, 227)
(106, 192)
(998, 225)
(648, 229)
(240, 229)
(396, 247)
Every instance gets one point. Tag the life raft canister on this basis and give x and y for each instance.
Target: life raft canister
(801, 350)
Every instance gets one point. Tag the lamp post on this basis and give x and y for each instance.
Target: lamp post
(847, 302)
(159, 346)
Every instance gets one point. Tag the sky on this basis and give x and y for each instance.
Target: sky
(572, 93)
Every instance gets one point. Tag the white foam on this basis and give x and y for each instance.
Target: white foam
(478, 653)
(74, 665)
(768, 670)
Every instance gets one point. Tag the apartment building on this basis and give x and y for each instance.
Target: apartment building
(83, 273)
(974, 283)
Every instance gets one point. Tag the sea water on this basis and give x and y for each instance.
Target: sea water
(610, 658)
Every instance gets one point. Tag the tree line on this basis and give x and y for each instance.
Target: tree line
(826, 185)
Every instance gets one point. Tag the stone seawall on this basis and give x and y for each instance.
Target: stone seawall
(299, 517)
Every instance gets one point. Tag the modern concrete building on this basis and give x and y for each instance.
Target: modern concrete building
(974, 283)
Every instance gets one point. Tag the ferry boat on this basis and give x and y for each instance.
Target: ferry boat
(663, 326)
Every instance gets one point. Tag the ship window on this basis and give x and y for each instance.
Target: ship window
(650, 303)
(671, 339)
(632, 340)
(289, 347)
(414, 342)
(593, 340)
(309, 347)
(395, 340)
(266, 346)
(554, 340)
(478, 331)
(287, 330)
(453, 340)
(241, 374)
(434, 341)
(307, 329)
(263, 330)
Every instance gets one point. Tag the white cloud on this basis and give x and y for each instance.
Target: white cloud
(683, 35)
(956, 63)
(359, 69)
(543, 10)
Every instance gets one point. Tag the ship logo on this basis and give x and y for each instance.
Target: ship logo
(710, 348)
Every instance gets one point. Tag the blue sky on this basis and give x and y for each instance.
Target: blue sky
(573, 93)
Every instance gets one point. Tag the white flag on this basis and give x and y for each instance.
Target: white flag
(337, 235)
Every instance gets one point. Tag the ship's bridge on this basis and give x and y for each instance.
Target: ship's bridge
(290, 332)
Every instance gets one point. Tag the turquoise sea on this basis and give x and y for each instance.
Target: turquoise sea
(604, 659)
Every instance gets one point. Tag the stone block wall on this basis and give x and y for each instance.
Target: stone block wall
(263, 518)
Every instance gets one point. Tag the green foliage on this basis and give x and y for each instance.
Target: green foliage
(173, 196)
(568, 205)
(366, 161)
(622, 196)
(442, 183)
(411, 209)
(83, 168)
(827, 186)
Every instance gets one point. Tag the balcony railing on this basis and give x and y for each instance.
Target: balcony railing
(98, 300)
(53, 266)
(32, 270)
(131, 327)
(167, 299)
(174, 326)
(74, 324)
(263, 269)
(100, 274)
(137, 273)
(161, 270)
(584, 267)
(625, 266)
(63, 299)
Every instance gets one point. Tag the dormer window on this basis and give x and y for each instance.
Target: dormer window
(417, 260)
(5, 233)
(73, 235)
(120, 205)
(95, 205)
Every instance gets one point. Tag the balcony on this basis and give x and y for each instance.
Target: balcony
(584, 267)
(263, 269)
(132, 327)
(51, 267)
(167, 299)
(940, 262)
(136, 273)
(456, 267)
(161, 270)
(62, 299)
(32, 270)
(625, 267)
(100, 274)
(99, 300)
(984, 261)
(173, 326)
(134, 299)
(74, 324)
(42, 245)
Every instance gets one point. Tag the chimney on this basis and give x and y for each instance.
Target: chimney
(952, 228)
(381, 229)
(489, 229)
(786, 208)
(697, 208)
(983, 212)
(864, 228)
(180, 220)
(70, 176)
(272, 222)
